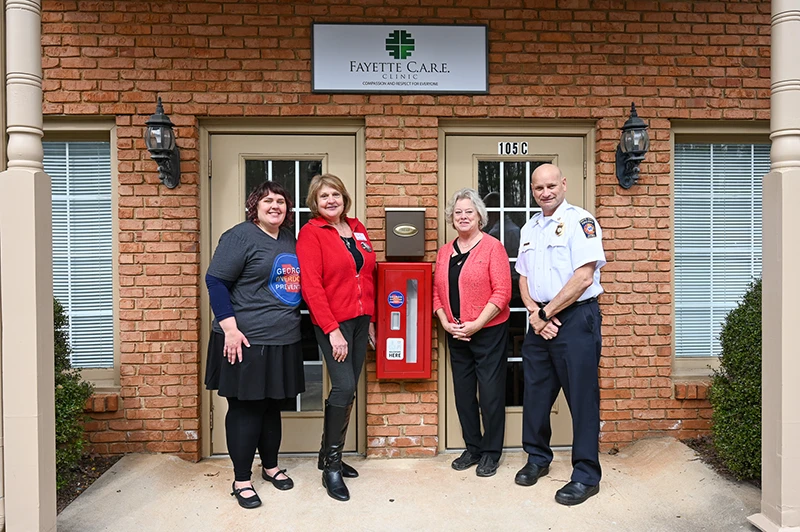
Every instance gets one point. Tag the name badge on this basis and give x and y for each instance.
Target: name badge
(360, 236)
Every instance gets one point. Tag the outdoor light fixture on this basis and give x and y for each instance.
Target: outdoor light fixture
(160, 141)
(631, 149)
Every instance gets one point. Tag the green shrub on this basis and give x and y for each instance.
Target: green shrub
(735, 390)
(71, 396)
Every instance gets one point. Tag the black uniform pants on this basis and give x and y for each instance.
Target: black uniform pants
(568, 361)
(480, 366)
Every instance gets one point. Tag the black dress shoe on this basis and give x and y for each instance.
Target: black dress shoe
(528, 475)
(283, 485)
(245, 502)
(466, 460)
(487, 466)
(575, 493)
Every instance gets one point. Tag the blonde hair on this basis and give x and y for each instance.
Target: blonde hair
(332, 181)
(472, 195)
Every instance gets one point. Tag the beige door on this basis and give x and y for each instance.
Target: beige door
(239, 164)
(499, 168)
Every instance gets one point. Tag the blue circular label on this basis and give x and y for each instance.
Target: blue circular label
(284, 281)
(396, 299)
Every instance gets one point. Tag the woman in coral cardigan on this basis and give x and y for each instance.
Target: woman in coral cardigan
(472, 289)
(337, 279)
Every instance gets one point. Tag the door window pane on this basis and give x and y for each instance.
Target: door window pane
(295, 175)
(517, 326)
(505, 189)
(515, 182)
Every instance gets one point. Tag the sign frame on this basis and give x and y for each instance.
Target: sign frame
(375, 89)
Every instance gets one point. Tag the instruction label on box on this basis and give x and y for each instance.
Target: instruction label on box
(394, 349)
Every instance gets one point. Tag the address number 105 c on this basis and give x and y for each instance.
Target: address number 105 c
(512, 148)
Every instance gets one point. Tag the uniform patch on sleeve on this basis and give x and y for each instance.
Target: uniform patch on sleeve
(589, 229)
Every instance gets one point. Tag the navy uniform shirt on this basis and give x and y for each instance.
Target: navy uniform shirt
(553, 247)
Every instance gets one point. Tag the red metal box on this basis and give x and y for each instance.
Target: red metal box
(404, 313)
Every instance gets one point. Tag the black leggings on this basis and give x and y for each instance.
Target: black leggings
(344, 375)
(250, 425)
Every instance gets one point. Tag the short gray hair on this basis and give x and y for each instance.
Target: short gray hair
(472, 195)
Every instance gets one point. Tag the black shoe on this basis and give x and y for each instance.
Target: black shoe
(465, 461)
(283, 485)
(245, 502)
(348, 471)
(575, 493)
(487, 466)
(528, 475)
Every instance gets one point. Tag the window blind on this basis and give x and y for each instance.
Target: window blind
(717, 237)
(82, 267)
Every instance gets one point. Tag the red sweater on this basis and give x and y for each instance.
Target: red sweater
(331, 288)
(485, 278)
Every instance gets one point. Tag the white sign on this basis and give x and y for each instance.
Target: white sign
(394, 349)
(399, 58)
(512, 148)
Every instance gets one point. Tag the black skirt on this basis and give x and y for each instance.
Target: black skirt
(265, 372)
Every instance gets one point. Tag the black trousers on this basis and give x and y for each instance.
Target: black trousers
(568, 361)
(344, 375)
(480, 366)
(250, 425)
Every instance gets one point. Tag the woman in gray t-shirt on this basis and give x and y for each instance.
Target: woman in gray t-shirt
(254, 354)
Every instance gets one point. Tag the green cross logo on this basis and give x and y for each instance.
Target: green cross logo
(400, 44)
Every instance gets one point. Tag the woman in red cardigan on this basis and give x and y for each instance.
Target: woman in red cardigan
(471, 292)
(337, 279)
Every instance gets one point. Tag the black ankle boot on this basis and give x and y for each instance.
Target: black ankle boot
(348, 471)
(336, 418)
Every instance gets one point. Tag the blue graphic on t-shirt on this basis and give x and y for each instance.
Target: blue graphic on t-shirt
(284, 280)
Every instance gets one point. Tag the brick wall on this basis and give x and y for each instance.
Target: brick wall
(557, 59)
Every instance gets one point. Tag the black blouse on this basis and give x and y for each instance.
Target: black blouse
(352, 247)
(456, 263)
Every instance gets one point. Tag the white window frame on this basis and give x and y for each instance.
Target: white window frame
(701, 368)
(105, 380)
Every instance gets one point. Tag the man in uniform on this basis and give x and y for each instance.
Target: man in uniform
(559, 261)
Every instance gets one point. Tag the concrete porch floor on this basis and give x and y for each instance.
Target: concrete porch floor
(654, 485)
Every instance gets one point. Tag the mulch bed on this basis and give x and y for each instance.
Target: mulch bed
(704, 448)
(89, 469)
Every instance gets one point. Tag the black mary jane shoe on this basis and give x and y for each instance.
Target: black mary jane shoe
(283, 485)
(575, 493)
(245, 502)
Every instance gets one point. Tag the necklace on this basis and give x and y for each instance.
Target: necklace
(469, 244)
(341, 228)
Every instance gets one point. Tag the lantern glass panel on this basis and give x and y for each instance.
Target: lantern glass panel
(626, 143)
(159, 138)
(640, 140)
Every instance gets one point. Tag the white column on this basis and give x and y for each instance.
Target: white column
(780, 430)
(26, 285)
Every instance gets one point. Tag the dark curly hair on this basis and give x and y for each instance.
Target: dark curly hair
(263, 190)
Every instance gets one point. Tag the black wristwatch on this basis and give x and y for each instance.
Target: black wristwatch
(543, 315)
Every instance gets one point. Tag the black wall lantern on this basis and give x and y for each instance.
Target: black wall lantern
(160, 141)
(631, 149)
